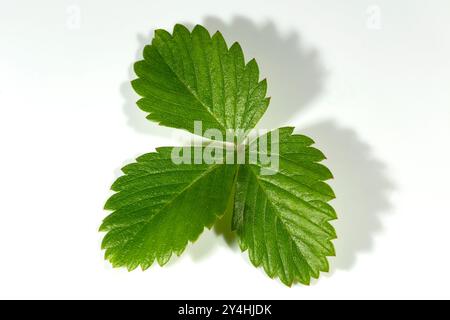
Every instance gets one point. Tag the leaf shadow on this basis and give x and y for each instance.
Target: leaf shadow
(297, 77)
(295, 73)
(362, 189)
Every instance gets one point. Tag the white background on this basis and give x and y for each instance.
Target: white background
(374, 94)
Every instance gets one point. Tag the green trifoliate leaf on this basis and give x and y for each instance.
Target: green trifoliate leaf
(160, 206)
(283, 219)
(278, 195)
(190, 76)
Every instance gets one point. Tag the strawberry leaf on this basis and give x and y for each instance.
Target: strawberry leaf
(278, 196)
(160, 206)
(283, 219)
(187, 77)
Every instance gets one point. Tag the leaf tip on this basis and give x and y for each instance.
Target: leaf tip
(252, 64)
(236, 47)
(199, 29)
(108, 205)
(164, 259)
(180, 28)
(161, 33)
(217, 35)
(103, 228)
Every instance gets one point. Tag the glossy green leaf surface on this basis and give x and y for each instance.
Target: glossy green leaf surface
(283, 219)
(190, 76)
(160, 206)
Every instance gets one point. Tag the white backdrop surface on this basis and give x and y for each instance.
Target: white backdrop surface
(368, 80)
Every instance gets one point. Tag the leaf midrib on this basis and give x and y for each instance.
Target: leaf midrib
(191, 91)
(182, 191)
(276, 212)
